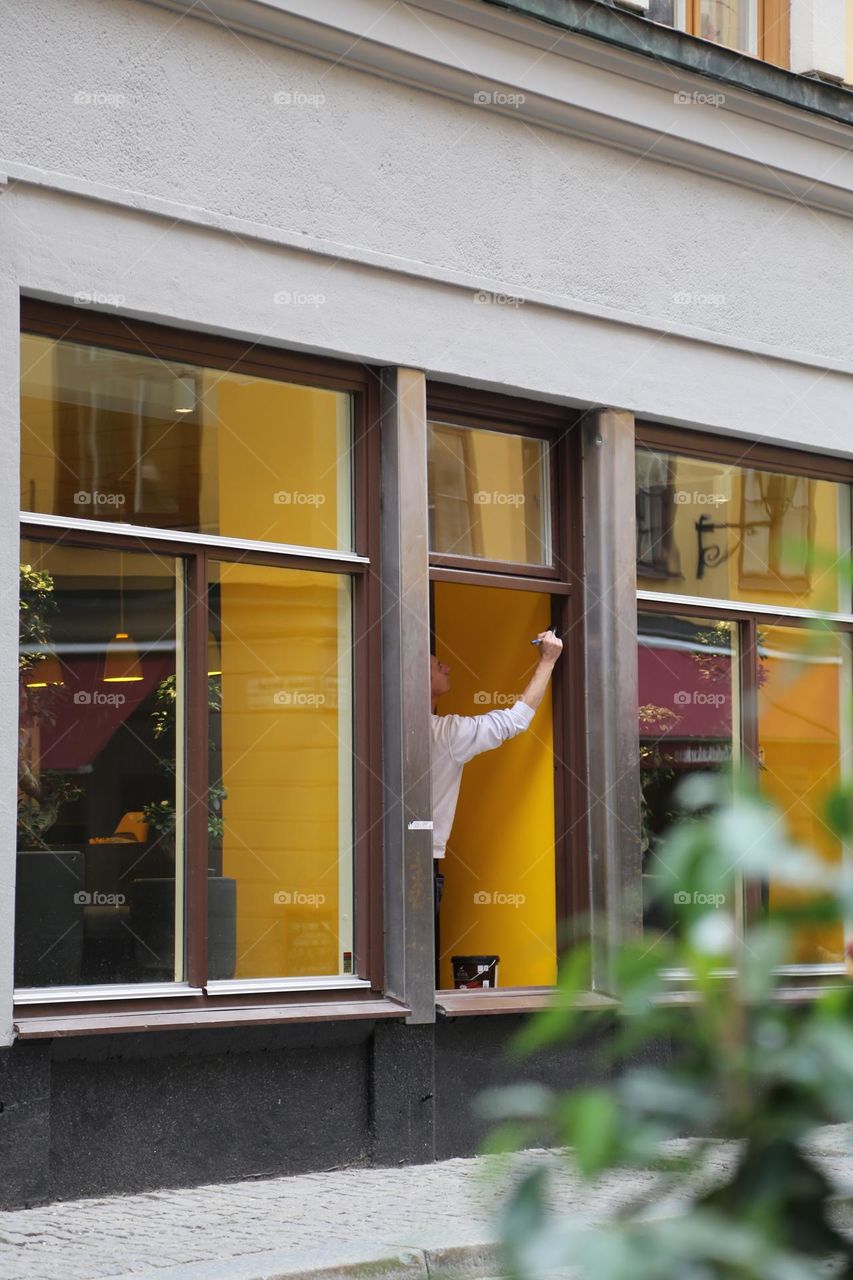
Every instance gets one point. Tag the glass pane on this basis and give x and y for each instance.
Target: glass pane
(729, 22)
(734, 533)
(281, 752)
(107, 435)
(662, 11)
(689, 722)
(100, 812)
(489, 495)
(804, 689)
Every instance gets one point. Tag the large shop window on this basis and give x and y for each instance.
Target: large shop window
(195, 579)
(503, 510)
(737, 557)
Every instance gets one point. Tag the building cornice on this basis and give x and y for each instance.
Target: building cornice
(574, 83)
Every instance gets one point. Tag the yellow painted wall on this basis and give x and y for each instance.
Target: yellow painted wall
(281, 766)
(503, 837)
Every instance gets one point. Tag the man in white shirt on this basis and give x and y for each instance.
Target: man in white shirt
(457, 739)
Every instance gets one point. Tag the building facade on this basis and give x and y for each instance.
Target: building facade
(334, 333)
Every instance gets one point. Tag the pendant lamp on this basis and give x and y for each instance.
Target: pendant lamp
(121, 663)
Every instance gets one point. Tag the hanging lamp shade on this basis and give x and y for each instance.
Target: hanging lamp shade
(214, 655)
(121, 664)
(46, 673)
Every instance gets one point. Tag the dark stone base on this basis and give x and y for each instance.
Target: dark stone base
(108, 1115)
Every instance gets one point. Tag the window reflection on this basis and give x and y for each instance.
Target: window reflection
(110, 435)
(689, 722)
(100, 768)
(805, 746)
(489, 495)
(739, 533)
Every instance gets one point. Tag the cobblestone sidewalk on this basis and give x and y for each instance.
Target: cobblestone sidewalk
(384, 1219)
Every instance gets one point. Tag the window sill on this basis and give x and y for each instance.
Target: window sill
(50, 1023)
(460, 1004)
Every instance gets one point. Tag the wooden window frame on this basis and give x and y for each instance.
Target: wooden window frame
(750, 616)
(99, 1012)
(560, 427)
(773, 30)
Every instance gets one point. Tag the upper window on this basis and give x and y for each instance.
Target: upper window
(122, 436)
(737, 532)
(489, 495)
(734, 23)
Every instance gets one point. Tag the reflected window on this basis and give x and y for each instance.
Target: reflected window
(113, 435)
(731, 532)
(729, 22)
(489, 495)
(100, 863)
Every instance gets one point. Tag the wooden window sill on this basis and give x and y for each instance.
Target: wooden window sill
(30, 1024)
(460, 1004)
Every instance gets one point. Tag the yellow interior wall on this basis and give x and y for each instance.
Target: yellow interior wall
(280, 765)
(503, 836)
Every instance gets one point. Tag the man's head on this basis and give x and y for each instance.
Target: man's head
(439, 678)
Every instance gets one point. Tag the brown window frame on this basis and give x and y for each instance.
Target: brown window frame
(758, 455)
(101, 1014)
(560, 427)
(773, 23)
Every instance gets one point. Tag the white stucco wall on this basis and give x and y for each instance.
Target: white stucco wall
(183, 190)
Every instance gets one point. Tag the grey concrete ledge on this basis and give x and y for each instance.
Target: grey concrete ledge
(601, 20)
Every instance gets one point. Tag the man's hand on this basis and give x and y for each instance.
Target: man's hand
(550, 647)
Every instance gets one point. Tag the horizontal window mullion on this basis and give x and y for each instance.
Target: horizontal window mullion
(740, 608)
(189, 542)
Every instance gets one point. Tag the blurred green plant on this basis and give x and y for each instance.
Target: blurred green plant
(726, 1127)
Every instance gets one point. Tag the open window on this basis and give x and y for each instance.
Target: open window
(503, 495)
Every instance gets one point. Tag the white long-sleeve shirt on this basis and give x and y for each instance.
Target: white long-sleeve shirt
(455, 741)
